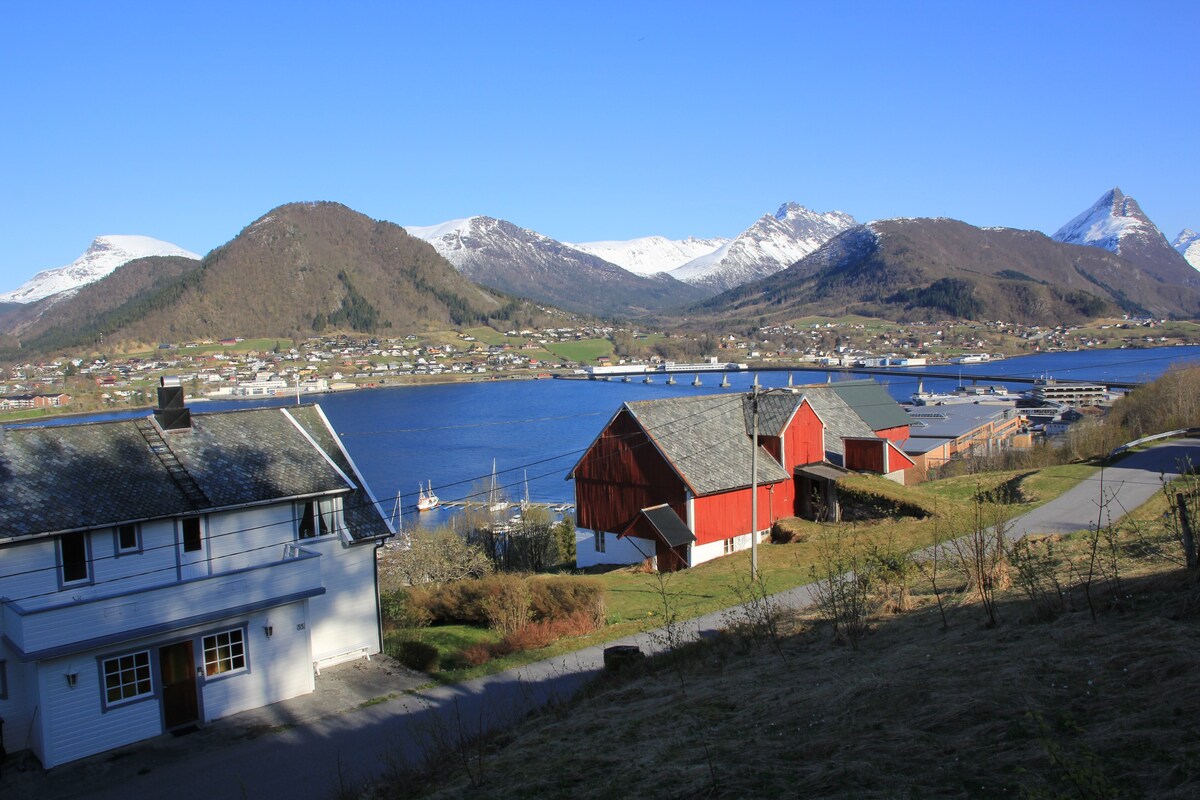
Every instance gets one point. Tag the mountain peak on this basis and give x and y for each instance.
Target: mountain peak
(104, 255)
(1187, 243)
(1117, 223)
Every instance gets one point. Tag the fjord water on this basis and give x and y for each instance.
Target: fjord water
(451, 433)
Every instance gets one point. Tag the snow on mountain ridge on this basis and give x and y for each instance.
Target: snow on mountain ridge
(1112, 218)
(771, 244)
(105, 254)
(649, 255)
(1188, 245)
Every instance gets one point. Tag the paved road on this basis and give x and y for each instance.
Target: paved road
(1123, 487)
(316, 758)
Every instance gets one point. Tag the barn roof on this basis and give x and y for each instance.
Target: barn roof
(704, 438)
(872, 403)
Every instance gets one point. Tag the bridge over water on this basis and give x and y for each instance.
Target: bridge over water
(920, 373)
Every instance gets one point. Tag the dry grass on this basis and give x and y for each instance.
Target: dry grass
(1065, 708)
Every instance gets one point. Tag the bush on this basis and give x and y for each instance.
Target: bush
(417, 655)
(468, 602)
(507, 605)
(399, 612)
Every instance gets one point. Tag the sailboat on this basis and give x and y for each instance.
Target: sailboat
(495, 502)
(426, 499)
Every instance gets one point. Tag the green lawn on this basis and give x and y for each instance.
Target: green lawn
(639, 601)
(584, 350)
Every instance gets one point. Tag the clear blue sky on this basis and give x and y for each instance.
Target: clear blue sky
(586, 121)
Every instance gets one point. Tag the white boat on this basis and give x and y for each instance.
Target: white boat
(426, 499)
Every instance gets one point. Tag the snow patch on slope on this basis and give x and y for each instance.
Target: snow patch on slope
(649, 255)
(106, 254)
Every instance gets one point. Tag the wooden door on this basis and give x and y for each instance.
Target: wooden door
(178, 671)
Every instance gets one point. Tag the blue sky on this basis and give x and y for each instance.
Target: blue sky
(586, 121)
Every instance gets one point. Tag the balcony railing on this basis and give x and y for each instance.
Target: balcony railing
(93, 622)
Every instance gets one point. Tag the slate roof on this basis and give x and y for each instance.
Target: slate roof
(872, 403)
(840, 419)
(668, 525)
(705, 439)
(97, 474)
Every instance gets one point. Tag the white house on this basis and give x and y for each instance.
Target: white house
(162, 572)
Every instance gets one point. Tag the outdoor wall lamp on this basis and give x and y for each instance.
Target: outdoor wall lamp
(268, 629)
(72, 678)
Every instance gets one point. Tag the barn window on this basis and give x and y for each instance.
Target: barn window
(599, 539)
(728, 546)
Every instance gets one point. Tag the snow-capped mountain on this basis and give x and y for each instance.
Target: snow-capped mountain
(105, 255)
(1117, 223)
(769, 245)
(516, 260)
(1187, 244)
(651, 254)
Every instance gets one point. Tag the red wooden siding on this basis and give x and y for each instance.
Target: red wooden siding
(897, 459)
(803, 442)
(724, 515)
(865, 455)
(621, 474)
(896, 434)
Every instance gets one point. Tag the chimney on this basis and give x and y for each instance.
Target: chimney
(172, 414)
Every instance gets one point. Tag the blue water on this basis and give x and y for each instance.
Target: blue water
(450, 434)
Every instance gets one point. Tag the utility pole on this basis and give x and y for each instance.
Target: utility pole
(754, 484)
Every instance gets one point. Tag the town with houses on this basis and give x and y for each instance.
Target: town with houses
(233, 367)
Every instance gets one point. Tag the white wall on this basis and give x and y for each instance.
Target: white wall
(707, 552)
(73, 722)
(346, 617)
(617, 551)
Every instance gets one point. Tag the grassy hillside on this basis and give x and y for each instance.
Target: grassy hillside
(1088, 695)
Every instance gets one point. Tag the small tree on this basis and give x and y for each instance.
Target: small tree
(432, 558)
(980, 553)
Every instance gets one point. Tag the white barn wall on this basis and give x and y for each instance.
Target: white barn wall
(617, 551)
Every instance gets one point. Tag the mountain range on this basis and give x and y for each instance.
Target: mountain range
(930, 269)
(304, 268)
(301, 269)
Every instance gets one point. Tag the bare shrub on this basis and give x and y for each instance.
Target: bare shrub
(980, 553)
(893, 569)
(758, 617)
(1035, 564)
(842, 586)
(433, 558)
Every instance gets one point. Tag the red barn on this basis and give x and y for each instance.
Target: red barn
(669, 481)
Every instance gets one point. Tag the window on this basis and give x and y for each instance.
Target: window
(192, 541)
(320, 518)
(73, 549)
(728, 546)
(224, 652)
(127, 677)
(600, 541)
(128, 539)
(3, 680)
